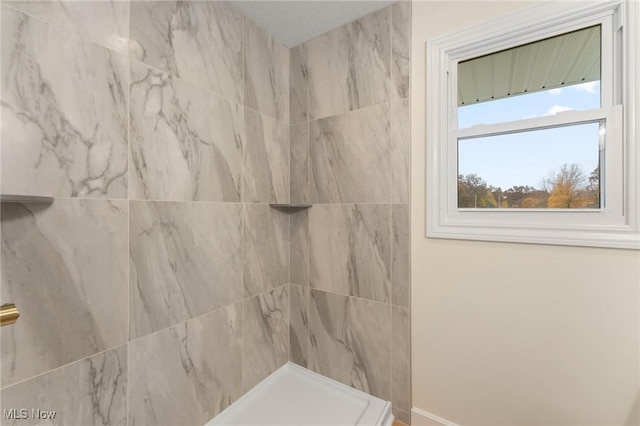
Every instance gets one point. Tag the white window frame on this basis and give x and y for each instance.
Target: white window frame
(617, 223)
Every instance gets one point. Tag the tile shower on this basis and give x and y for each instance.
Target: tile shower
(160, 286)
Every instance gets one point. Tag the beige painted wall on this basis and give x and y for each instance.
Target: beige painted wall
(515, 334)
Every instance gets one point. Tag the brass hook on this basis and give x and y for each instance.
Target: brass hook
(8, 314)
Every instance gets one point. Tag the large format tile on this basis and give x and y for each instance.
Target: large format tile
(87, 392)
(64, 112)
(350, 341)
(266, 73)
(401, 416)
(349, 66)
(266, 159)
(299, 264)
(266, 249)
(401, 48)
(186, 143)
(400, 254)
(299, 90)
(200, 41)
(65, 267)
(350, 249)
(186, 260)
(400, 151)
(299, 141)
(299, 325)
(266, 335)
(400, 359)
(187, 374)
(350, 157)
(105, 22)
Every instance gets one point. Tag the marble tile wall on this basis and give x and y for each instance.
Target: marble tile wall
(159, 286)
(64, 112)
(200, 42)
(350, 156)
(266, 335)
(185, 261)
(177, 151)
(91, 391)
(65, 267)
(187, 373)
(155, 288)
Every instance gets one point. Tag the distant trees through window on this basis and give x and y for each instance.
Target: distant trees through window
(570, 187)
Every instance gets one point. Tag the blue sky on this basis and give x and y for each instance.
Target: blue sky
(526, 158)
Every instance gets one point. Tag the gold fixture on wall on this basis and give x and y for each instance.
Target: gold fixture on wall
(8, 314)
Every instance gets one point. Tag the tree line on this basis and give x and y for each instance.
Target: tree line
(569, 188)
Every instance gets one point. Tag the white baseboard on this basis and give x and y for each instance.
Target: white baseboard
(422, 418)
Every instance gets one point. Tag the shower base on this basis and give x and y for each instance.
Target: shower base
(295, 396)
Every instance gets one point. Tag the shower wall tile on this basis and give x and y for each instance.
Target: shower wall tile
(266, 73)
(350, 341)
(103, 22)
(350, 249)
(200, 41)
(400, 359)
(266, 249)
(349, 157)
(299, 90)
(266, 335)
(186, 143)
(299, 325)
(64, 266)
(186, 260)
(64, 112)
(299, 140)
(266, 159)
(87, 392)
(401, 48)
(400, 151)
(299, 264)
(211, 98)
(348, 68)
(400, 255)
(401, 416)
(187, 374)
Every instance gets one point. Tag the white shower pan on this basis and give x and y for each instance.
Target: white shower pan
(295, 396)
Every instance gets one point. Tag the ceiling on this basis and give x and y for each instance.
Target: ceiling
(295, 21)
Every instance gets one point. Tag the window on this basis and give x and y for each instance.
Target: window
(532, 128)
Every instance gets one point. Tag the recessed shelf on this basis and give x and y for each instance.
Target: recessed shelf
(290, 206)
(11, 198)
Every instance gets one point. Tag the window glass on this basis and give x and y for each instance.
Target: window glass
(539, 104)
(549, 168)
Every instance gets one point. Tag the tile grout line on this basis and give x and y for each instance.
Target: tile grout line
(307, 242)
(203, 202)
(290, 201)
(391, 95)
(242, 301)
(193, 85)
(77, 361)
(392, 142)
(129, 204)
(58, 25)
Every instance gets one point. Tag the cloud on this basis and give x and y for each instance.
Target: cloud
(555, 92)
(590, 87)
(556, 109)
